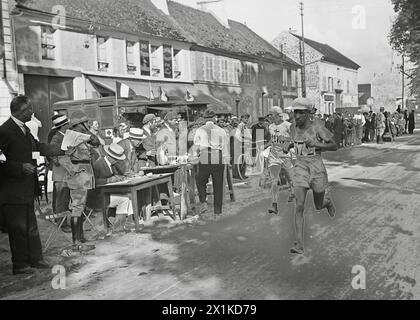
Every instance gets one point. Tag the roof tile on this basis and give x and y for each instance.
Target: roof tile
(207, 31)
(127, 15)
(330, 54)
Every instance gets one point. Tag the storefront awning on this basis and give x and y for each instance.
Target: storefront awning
(175, 92)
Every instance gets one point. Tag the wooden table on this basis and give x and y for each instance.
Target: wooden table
(187, 183)
(132, 187)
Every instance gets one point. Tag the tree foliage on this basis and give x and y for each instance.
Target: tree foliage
(405, 36)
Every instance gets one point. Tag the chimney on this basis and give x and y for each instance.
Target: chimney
(162, 5)
(215, 8)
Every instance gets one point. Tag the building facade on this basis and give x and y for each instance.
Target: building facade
(331, 78)
(9, 82)
(234, 64)
(68, 55)
(57, 52)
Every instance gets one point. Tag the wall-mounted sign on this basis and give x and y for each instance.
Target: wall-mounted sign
(167, 61)
(144, 58)
(328, 97)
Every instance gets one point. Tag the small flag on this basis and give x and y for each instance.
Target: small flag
(124, 91)
(152, 95)
(163, 96)
(189, 97)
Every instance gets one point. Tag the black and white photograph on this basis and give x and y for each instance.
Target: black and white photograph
(209, 154)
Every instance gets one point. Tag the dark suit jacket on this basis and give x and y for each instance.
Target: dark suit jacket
(15, 186)
(102, 173)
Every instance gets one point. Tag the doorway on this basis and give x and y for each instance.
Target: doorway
(44, 91)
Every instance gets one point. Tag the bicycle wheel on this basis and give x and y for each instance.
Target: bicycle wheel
(241, 167)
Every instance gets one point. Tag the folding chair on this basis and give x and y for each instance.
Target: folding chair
(86, 217)
(61, 217)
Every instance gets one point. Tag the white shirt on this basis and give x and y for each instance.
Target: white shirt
(34, 124)
(211, 136)
(360, 117)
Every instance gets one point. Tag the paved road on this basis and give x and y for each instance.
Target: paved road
(245, 255)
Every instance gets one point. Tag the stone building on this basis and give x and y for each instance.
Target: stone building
(331, 77)
(233, 63)
(9, 82)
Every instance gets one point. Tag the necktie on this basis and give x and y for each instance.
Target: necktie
(27, 130)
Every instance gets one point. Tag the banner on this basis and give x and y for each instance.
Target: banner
(144, 59)
(167, 61)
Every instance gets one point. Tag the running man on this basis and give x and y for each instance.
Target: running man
(310, 138)
(279, 157)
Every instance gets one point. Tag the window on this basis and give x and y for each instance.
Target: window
(47, 43)
(209, 69)
(103, 65)
(224, 71)
(294, 79)
(284, 78)
(348, 86)
(131, 68)
(330, 84)
(289, 78)
(237, 72)
(248, 73)
(155, 61)
(144, 58)
(177, 64)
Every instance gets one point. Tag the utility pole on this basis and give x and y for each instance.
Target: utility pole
(282, 75)
(302, 55)
(402, 74)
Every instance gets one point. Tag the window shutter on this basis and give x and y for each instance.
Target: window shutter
(213, 68)
(230, 72)
(204, 67)
(324, 83)
(220, 78)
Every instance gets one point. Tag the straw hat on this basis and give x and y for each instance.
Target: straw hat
(137, 134)
(59, 120)
(115, 151)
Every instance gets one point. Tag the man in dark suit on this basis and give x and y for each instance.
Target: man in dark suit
(20, 186)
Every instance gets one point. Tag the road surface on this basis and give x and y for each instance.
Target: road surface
(245, 255)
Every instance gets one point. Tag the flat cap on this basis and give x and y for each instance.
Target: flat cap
(171, 115)
(276, 109)
(78, 117)
(208, 114)
(148, 117)
(303, 104)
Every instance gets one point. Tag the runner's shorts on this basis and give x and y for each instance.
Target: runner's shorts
(310, 173)
(276, 164)
(283, 162)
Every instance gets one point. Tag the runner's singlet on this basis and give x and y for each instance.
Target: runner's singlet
(279, 135)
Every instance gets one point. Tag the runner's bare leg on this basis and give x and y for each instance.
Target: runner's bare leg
(300, 194)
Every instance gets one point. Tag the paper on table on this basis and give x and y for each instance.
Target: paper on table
(73, 139)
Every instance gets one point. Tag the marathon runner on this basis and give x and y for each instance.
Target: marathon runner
(310, 138)
(279, 157)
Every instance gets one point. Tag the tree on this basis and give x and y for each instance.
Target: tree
(405, 36)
